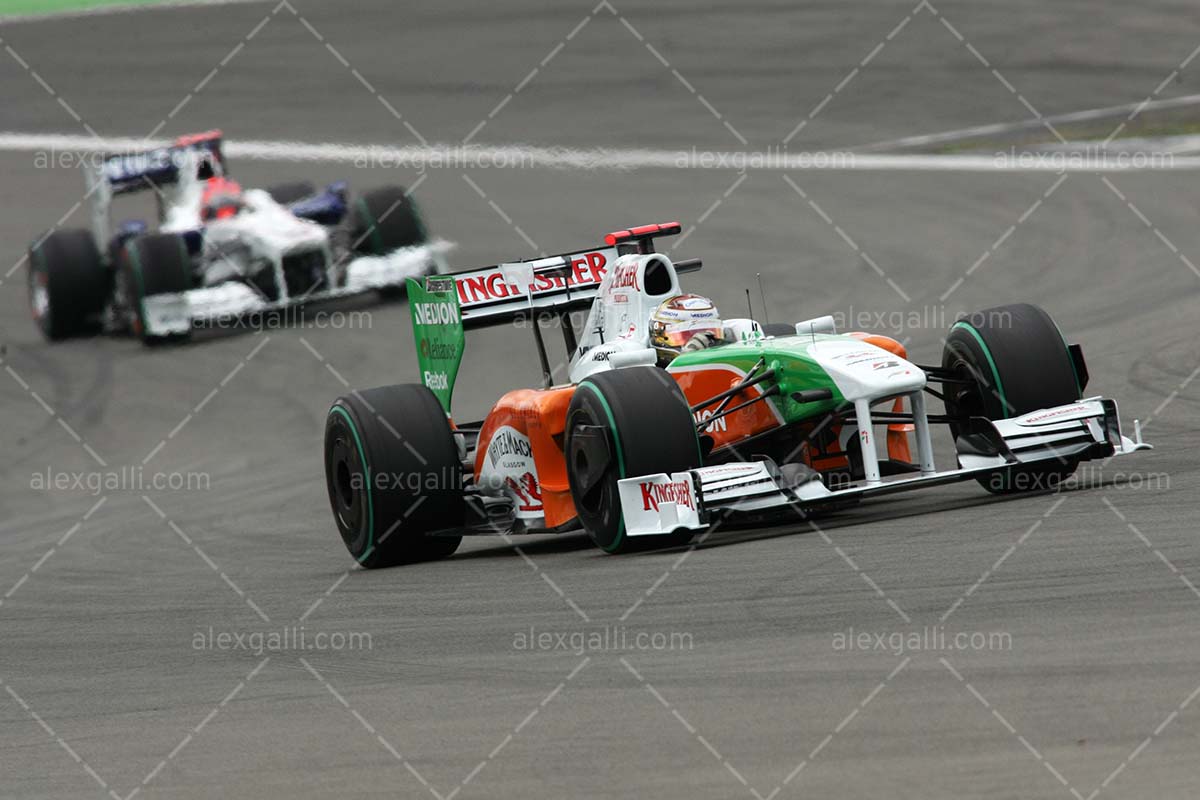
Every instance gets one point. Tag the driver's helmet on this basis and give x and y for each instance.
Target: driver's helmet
(221, 199)
(679, 319)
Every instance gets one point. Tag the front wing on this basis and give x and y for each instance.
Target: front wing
(178, 313)
(696, 499)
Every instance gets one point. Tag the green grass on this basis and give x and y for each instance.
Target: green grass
(54, 6)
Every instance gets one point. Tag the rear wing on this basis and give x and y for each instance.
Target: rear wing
(503, 292)
(160, 166)
(443, 306)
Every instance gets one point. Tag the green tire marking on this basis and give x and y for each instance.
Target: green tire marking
(362, 455)
(612, 423)
(135, 263)
(991, 362)
(373, 226)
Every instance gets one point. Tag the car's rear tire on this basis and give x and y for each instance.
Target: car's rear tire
(394, 476)
(1016, 361)
(288, 193)
(157, 263)
(68, 284)
(383, 220)
(649, 429)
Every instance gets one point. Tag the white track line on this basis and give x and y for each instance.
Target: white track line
(526, 157)
(980, 131)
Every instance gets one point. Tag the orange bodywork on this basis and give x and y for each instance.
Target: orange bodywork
(540, 415)
(701, 383)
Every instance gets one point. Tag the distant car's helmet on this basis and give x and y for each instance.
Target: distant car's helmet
(677, 320)
(221, 199)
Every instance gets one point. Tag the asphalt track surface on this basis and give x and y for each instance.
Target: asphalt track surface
(106, 688)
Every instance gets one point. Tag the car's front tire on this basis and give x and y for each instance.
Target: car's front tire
(1014, 361)
(647, 427)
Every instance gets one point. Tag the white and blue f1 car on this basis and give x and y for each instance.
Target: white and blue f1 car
(218, 254)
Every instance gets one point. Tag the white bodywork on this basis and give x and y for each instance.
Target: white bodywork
(1089, 428)
(259, 237)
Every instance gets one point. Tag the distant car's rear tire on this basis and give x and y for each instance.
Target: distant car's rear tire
(383, 220)
(288, 193)
(650, 429)
(68, 284)
(1015, 361)
(394, 476)
(157, 263)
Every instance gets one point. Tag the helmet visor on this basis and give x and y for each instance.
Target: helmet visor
(677, 334)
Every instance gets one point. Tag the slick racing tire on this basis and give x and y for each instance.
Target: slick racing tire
(1015, 361)
(288, 193)
(157, 263)
(68, 284)
(648, 428)
(383, 220)
(394, 476)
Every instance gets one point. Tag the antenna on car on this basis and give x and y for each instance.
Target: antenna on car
(749, 305)
(763, 293)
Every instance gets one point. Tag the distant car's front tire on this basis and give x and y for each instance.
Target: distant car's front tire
(157, 263)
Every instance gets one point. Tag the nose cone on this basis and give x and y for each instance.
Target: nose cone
(863, 370)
